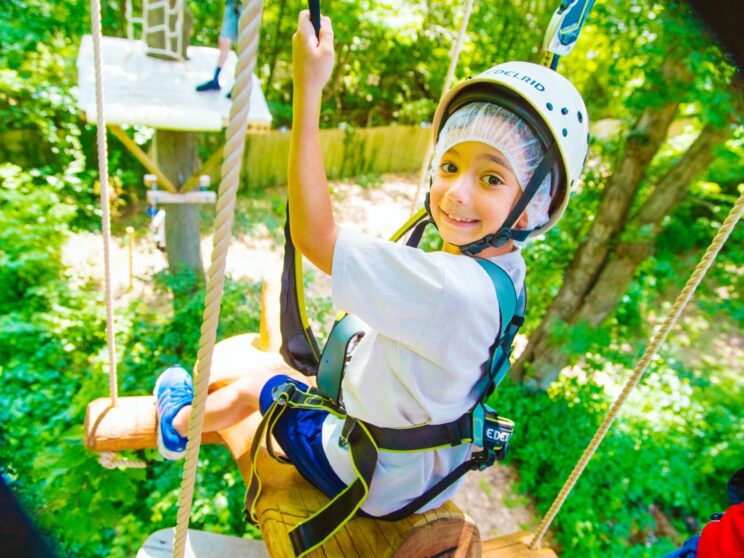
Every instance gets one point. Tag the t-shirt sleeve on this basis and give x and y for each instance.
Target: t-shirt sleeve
(397, 290)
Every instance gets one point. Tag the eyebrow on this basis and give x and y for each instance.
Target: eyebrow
(498, 159)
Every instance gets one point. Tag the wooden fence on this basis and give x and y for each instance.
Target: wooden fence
(347, 152)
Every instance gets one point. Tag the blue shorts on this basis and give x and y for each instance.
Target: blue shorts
(298, 432)
(230, 18)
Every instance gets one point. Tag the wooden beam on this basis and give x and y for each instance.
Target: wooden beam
(198, 197)
(142, 157)
(214, 159)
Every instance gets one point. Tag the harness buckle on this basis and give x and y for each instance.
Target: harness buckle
(346, 430)
(283, 393)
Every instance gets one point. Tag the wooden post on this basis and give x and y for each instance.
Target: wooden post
(130, 245)
(177, 158)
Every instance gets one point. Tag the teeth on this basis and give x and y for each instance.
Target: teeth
(459, 219)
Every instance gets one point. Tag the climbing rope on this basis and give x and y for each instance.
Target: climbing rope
(248, 25)
(679, 305)
(108, 460)
(95, 12)
(454, 57)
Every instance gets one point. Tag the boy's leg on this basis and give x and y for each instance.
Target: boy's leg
(238, 364)
(227, 406)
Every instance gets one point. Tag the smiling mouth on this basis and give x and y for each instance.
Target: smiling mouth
(460, 221)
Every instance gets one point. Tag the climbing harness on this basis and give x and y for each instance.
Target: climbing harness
(481, 426)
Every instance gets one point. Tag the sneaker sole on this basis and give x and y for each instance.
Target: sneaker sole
(164, 451)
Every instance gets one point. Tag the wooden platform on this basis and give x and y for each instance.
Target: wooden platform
(514, 545)
(147, 91)
(201, 544)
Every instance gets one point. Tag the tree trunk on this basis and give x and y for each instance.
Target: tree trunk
(639, 240)
(277, 44)
(642, 144)
(177, 158)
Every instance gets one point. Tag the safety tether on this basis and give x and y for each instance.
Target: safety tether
(454, 58)
(679, 305)
(563, 30)
(248, 33)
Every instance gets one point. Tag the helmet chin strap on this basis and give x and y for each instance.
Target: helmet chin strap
(506, 232)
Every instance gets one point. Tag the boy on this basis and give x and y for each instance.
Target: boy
(228, 35)
(509, 144)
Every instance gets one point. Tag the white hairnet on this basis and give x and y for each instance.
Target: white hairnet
(503, 130)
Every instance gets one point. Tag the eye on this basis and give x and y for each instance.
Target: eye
(448, 168)
(493, 180)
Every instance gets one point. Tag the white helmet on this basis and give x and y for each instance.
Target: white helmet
(555, 111)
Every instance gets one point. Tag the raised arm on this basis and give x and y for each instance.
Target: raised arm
(314, 229)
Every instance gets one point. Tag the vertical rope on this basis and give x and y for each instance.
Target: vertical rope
(249, 24)
(679, 304)
(454, 57)
(95, 20)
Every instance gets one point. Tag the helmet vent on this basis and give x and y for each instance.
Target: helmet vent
(564, 111)
(564, 132)
(550, 106)
(580, 116)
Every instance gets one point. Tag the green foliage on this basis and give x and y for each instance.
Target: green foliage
(666, 425)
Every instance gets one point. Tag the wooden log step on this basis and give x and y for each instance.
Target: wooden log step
(131, 425)
(287, 498)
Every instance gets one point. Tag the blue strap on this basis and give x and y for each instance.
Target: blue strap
(505, 293)
(333, 360)
(498, 365)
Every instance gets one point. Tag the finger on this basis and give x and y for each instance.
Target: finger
(325, 25)
(325, 37)
(305, 28)
(304, 15)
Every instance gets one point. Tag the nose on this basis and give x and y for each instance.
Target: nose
(460, 190)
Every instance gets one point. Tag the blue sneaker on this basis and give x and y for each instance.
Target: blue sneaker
(173, 391)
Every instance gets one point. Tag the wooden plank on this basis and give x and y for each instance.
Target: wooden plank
(214, 159)
(131, 425)
(201, 544)
(514, 545)
(198, 197)
(142, 157)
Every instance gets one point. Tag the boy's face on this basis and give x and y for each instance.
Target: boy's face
(473, 191)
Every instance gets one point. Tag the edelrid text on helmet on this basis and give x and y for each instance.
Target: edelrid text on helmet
(516, 75)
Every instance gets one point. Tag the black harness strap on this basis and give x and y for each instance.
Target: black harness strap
(299, 347)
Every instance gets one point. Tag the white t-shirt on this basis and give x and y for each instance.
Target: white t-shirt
(432, 318)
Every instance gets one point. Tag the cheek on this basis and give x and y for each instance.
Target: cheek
(436, 193)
